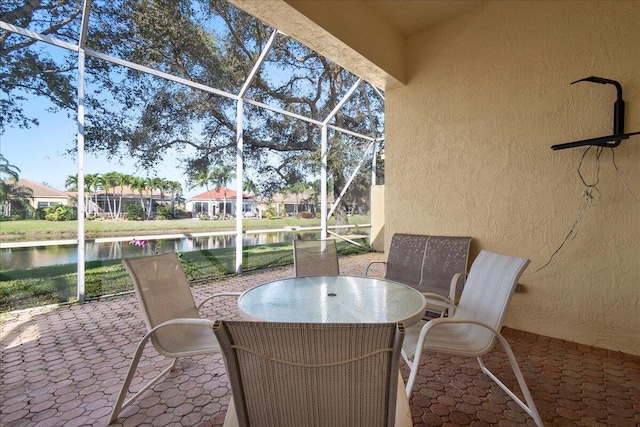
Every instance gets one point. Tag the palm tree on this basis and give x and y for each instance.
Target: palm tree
(140, 185)
(155, 183)
(71, 183)
(90, 187)
(220, 177)
(176, 190)
(250, 187)
(163, 186)
(12, 193)
(8, 169)
(91, 184)
(108, 181)
(121, 181)
(203, 177)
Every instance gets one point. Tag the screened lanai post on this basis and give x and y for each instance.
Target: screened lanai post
(80, 201)
(240, 147)
(374, 165)
(374, 182)
(80, 215)
(239, 171)
(374, 175)
(323, 183)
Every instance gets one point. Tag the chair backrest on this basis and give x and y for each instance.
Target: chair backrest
(164, 294)
(315, 258)
(404, 261)
(488, 291)
(312, 374)
(444, 256)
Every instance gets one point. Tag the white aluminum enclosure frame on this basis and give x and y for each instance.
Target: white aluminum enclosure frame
(240, 99)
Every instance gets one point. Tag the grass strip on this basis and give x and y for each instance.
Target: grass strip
(33, 287)
(28, 230)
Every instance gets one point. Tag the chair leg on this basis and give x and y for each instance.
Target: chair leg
(530, 406)
(120, 404)
(413, 371)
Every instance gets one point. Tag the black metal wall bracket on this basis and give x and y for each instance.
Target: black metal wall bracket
(618, 121)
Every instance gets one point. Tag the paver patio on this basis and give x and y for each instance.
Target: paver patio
(64, 366)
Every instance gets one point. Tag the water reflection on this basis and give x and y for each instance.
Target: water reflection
(21, 258)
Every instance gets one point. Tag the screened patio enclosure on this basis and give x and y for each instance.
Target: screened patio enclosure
(256, 123)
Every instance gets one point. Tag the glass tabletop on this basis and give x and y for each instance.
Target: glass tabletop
(332, 299)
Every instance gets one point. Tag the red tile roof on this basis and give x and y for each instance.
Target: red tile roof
(218, 193)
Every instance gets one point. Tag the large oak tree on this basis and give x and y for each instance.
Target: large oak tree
(210, 42)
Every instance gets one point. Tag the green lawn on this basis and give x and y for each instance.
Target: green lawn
(23, 288)
(41, 230)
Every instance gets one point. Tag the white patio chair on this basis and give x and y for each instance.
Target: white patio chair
(314, 374)
(173, 323)
(474, 328)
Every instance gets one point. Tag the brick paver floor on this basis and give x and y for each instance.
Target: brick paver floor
(64, 366)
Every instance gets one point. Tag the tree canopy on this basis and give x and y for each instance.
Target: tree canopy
(131, 113)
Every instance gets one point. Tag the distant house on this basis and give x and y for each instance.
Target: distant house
(110, 202)
(288, 204)
(212, 203)
(43, 197)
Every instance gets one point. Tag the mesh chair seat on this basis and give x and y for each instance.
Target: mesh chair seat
(315, 258)
(431, 264)
(313, 374)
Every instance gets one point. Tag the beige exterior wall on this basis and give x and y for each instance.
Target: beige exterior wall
(468, 137)
(468, 153)
(51, 200)
(377, 218)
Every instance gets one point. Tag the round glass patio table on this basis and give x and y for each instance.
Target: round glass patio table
(333, 299)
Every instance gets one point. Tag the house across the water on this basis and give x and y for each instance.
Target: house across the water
(218, 202)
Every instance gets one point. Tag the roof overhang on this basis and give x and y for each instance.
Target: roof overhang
(365, 37)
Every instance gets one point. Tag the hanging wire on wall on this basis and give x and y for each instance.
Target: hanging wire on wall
(590, 197)
(613, 160)
(590, 192)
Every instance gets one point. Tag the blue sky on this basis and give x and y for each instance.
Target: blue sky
(39, 152)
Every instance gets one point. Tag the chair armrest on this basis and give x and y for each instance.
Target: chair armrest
(219, 294)
(366, 267)
(182, 321)
(439, 297)
(444, 320)
(454, 284)
(447, 301)
(417, 353)
(441, 321)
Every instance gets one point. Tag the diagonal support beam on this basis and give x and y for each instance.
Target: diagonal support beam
(353, 175)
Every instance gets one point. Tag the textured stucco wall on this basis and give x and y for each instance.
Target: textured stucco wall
(468, 153)
(377, 218)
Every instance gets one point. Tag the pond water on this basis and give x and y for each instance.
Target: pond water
(54, 255)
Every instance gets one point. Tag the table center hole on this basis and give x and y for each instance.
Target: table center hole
(331, 294)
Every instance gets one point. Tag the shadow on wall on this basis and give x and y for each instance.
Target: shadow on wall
(377, 240)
